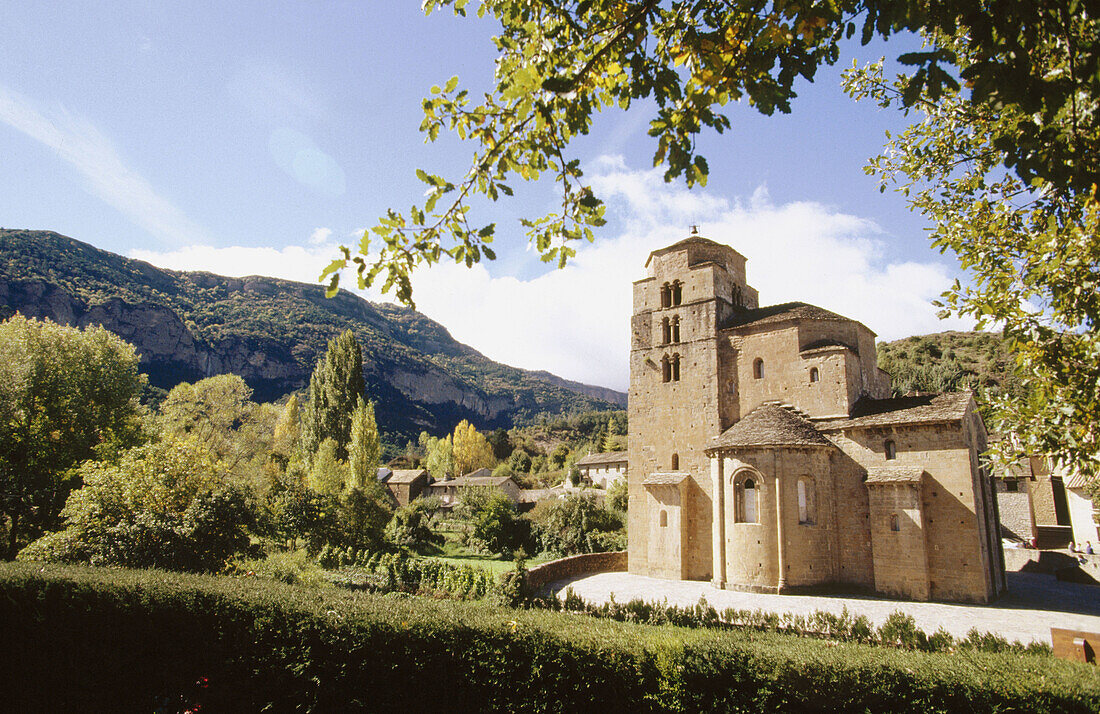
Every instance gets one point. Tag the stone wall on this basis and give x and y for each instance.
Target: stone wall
(540, 576)
(1015, 507)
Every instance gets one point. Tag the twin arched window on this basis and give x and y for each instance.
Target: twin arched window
(670, 329)
(670, 368)
(672, 293)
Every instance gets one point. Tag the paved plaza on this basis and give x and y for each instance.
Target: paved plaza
(1034, 603)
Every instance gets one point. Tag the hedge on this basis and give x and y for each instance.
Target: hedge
(82, 639)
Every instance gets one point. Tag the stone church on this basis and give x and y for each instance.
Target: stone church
(766, 453)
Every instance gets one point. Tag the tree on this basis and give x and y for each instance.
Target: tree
(64, 395)
(496, 528)
(328, 474)
(334, 388)
(410, 527)
(562, 61)
(163, 505)
(287, 429)
(1032, 249)
(365, 450)
(438, 455)
(617, 495)
(471, 450)
(578, 525)
(218, 413)
(501, 443)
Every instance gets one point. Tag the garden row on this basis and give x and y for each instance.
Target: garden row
(83, 638)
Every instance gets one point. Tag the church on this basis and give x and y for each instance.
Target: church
(767, 454)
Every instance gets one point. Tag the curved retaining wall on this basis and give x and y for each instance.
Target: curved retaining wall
(540, 576)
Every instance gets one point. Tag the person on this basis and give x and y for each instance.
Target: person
(1088, 547)
(1072, 547)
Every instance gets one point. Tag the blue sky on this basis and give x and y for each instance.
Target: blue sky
(249, 138)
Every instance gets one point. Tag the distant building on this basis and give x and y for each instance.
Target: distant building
(766, 454)
(1039, 500)
(450, 490)
(406, 484)
(603, 469)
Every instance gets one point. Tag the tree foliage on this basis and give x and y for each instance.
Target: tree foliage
(471, 451)
(365, 449)
(163, 505)
(1029, 240)
(438, 455)
(334, 389)
(64, 394)
(560, 62)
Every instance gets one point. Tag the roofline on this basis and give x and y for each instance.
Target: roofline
(690, 239)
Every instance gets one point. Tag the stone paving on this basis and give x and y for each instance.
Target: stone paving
(1033, 604)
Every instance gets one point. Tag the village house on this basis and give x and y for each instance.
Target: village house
(766, 453)
(405, 484)
(450, 491)
(603, 469)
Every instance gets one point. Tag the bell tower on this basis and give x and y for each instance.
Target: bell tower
(682, 393)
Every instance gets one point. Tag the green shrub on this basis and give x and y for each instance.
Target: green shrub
(84, 639)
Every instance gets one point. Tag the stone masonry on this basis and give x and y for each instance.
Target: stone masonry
(766, 454)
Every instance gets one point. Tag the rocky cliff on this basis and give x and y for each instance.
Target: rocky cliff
(190, 325)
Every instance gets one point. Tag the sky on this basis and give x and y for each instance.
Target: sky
(253, 138)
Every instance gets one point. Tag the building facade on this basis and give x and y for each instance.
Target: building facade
(765, 452)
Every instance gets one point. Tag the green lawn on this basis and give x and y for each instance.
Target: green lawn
(455, 553)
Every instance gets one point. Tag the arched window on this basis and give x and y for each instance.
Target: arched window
(891, 450)
(895, 525)
(666, 331)
(666, 295)
(666, 369)
(805, 501)
(677, 292)
(663, 519)
(745, 505)
(814, 375)
(675, 368)
(737, 296)
(676, 328)
(675, 462)
(758, 369)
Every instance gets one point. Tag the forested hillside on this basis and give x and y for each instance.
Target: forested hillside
(950, 361)
(190, 325)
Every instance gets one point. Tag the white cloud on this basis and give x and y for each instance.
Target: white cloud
(94, 156)
(319, 236)
(575, 322)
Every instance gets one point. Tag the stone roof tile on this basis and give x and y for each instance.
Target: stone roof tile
(924, 409)
(771, 425)
(671, 478)
(770, 314)
(894, 474)
(405, 475)
(606, 457)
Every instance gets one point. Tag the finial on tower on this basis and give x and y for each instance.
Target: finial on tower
(694, 229)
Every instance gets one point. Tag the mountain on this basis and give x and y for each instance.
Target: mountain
(191, 325)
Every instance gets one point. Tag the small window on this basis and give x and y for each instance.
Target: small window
(666, 295)
(663, 520)
(737, 296)
(805, 502)
(891, 450)
(666, 369)
(758, 369)
(666, 331)
(814, 375)
(895, 525)
(1012, 486)
(677, 292)
(676, 329)
(745, 506)
(675, 462)
(675, 368)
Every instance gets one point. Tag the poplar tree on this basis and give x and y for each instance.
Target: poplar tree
(337, 383)
(471, 449)
(365, 449)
